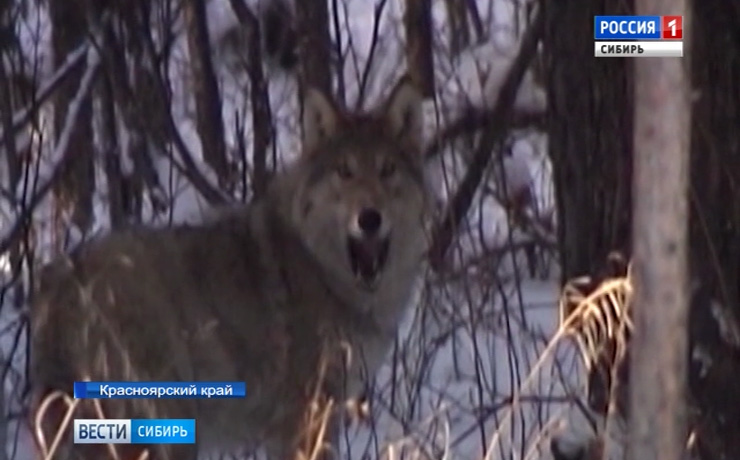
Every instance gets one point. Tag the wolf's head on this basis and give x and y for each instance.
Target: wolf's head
(361, 195)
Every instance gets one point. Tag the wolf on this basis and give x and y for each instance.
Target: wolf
(299, 293)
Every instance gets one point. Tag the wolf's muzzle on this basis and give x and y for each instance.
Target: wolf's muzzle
(368, 247)
(367, 257)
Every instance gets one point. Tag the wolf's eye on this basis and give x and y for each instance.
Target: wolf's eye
(387, 169)
(343, 171)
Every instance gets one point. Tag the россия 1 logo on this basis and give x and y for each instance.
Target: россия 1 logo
(638, 36)
(672, 27)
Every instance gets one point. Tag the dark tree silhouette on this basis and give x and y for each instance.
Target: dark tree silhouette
(590, 135)
(206, 93)
(457, 15)
(419, 58)
(714, 37)
(258, 95)
(74, 190)
(314, 44)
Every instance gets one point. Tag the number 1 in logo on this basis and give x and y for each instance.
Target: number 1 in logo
(672, 27)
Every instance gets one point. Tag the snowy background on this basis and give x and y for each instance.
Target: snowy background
(474, 373)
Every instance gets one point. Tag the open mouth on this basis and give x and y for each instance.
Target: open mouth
(367, 257)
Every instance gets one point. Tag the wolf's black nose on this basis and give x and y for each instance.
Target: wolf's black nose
(369, 221)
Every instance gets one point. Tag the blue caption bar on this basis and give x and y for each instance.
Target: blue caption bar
(134, 431)
(627, 27)
(152, 390)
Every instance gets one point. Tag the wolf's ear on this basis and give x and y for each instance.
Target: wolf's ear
(403, 111)
(320, 119)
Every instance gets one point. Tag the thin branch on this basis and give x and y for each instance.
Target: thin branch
(496, 129)
(377, 14)
(474, 120)
(475, 18)
(259, 97)
(209, 120)
(338, 55)
(73, 60)
(83, 92)
(189, 168)
(114, 57)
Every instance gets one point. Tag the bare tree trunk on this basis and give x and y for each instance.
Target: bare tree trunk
(259, 97)
(10, 101)
(207, 99)
(715, 218)
(589, 136)
(716, 146)
(419, 57)
(7, 108)
(141, 114)
(74, 191)
(314, 44)
(480, 32)
(111, 153)
(660, 234)
(457, 12)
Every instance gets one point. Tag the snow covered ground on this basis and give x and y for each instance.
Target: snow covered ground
(469, 376)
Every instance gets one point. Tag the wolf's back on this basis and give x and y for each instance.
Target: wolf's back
(158, 305)
(110, 311)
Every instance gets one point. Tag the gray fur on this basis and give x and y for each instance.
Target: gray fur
(262, 294)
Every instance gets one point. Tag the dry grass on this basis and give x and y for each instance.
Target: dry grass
(597, 315)
(48, 451)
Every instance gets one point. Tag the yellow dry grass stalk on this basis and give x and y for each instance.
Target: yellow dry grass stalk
(49, 450)
(599, 317)
(595, 319)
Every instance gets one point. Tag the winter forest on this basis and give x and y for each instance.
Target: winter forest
(554, 200)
